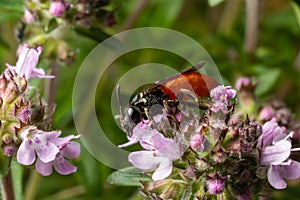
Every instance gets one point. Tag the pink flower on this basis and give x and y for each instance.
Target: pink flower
(197, 142)
(159, 155)
(28, 17)
(242, 82)
(58, 8)
(215, 186)
(266, 113)
(140, 132)
(276, 149)
(27, 62)
(221, 96)
(61, 165)
(47, 148)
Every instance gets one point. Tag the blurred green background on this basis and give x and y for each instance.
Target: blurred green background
(220, 29)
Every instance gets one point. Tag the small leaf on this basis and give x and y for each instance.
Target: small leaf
(51, 25)
(266, 78)
(129, 176)
(296, 9)
(213, 3)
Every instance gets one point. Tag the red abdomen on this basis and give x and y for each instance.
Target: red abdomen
(198, 83)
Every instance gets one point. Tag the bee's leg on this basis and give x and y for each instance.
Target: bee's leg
(171, 109)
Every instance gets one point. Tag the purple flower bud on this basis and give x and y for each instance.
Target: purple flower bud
(266, 114)
(197, 142)
(215, 186)
(7, 138)
(242, 82)
(9, 150)
(58, 8)
(28, 17)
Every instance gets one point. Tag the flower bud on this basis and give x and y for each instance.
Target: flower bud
(197, 142)
(167, 189)
(7, 138)
(58, 8)
(215, 186)
(9, 150)
(28, 17)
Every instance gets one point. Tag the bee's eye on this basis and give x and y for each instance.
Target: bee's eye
(130, 111)
(134, 114)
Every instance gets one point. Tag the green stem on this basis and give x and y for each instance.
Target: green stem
(129, 23)
(33, 184)
(7, 189)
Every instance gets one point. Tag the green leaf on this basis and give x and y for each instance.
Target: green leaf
(17, 175)
(165, 12)
(213, 3)
(93, 33)
(14, 6)
(129, 176)
(267, 78)
(51, 25)
(296, 9)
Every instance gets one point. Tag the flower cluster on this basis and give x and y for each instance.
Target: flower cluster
(22, 118)
(213, 152)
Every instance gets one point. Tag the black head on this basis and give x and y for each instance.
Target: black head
(131, 115)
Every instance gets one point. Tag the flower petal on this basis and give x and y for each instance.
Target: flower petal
(40, 73)
(63, 166)
(290, 171)
(51, 135)
(143, 160)
(164, 170)
(71, 150)
(26, 155)
(47, 152)
(270, 130)
(275, 178)
(61, 141)
(43, 168)
(276, 154)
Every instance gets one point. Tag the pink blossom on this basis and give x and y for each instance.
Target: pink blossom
(58, 8)
(159, 155)
(242, 82)
(28, 17)
(276, 149)
(47, 149)
(27, 64)
(61, 165)
(215, 186)
(221, 96)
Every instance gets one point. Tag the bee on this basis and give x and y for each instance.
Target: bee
(167, 93)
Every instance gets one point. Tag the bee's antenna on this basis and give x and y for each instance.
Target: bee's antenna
(119, 99)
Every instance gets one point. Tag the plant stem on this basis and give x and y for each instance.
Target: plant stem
(51, 89)
(33, 184)
(7, 189)
(228, 16)
(251, 33)
(129, 23)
